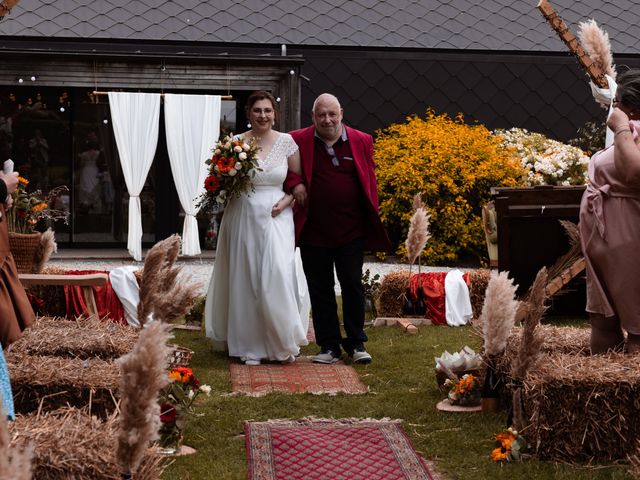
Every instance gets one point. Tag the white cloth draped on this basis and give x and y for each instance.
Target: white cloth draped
(124, 283)
(192, 124)
(457, 299)
(605, 96)
(135, 118)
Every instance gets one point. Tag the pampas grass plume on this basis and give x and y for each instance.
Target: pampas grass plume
(418, 234)
(417, 201)
(531, 340)
(498, 312)
(46, 247)
(161, 290)
(143, 375)
(596, 43)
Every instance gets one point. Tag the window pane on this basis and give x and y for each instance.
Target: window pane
(36, 136)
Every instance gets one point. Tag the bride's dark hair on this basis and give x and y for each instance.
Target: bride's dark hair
(260, 95)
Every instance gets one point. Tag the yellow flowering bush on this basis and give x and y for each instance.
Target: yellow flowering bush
(454, 165)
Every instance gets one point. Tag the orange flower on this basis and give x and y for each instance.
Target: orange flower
(499, 454)
(23, 181)
(225, 164)
(39, 207)
(181, 374)
(505, 438)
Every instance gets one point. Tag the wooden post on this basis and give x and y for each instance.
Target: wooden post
(573, 44)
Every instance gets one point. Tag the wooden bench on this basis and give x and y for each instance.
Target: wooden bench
(86, 281)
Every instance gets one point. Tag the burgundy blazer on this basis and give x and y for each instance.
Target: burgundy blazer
(362, 150)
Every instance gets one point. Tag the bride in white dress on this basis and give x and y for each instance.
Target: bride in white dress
(257, 306)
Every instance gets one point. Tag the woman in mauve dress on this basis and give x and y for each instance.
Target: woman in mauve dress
(610, 227)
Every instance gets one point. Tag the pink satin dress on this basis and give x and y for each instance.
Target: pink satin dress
(610, 236)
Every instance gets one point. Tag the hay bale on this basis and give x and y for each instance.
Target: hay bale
(82, 338)
(71, 444)
(478, 280)
(567, 340)
(52, 382)
(391, 293)
(584, 408)
(54, 302)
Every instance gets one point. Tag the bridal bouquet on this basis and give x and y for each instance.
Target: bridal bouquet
(231, 170)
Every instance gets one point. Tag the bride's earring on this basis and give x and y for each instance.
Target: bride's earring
(273, 124)
(248, 125)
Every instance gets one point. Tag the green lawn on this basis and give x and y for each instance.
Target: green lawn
(402, 385)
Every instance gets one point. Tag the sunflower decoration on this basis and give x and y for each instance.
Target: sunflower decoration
(509, 447)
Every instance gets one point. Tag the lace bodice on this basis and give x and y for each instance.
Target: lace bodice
(274, 165)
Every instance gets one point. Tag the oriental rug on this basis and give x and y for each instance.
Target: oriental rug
(302, 376)
(315, 449)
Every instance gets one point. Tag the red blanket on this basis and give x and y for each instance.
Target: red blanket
(433, 294)
(107, 302)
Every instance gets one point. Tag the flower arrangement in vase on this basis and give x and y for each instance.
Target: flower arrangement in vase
(30, 248)
(29, 208)
(176, 405)
(464, 391)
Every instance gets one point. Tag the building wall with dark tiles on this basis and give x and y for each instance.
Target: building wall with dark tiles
(542, 93)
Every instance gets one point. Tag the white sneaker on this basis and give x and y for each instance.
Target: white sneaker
(360, 355)
(326, 356)
(251, 362)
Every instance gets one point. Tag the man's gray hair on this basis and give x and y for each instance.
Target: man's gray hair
(323, 97)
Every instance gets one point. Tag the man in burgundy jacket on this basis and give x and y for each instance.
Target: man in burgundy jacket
(336, 220)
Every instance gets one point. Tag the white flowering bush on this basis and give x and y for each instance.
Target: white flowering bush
(547, 161)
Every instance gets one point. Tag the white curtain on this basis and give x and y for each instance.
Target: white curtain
(192, 123)
(136, 118)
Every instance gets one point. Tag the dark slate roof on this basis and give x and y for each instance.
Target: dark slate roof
(502, 25)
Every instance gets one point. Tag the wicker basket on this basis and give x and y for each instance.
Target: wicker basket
(180, 356)
(23, 247)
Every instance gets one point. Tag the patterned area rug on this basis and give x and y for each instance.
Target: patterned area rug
(315, 449)
(302, 376)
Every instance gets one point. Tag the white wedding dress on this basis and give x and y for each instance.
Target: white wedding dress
(257, 305)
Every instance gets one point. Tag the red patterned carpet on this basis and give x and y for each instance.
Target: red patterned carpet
(315, 449)
(302, 376)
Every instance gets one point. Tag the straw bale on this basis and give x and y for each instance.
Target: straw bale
(391, 293)
(479, 279)
(55, 302)
(51, 382)
(71, 444)
(584, 408)
(567, 340)
(82, 338)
